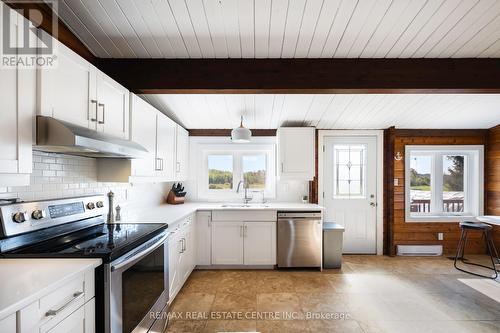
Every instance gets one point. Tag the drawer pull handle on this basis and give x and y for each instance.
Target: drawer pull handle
(76, 296)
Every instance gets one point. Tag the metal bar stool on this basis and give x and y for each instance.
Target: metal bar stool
(485, 229)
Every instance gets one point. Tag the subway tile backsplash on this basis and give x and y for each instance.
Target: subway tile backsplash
(62, 176)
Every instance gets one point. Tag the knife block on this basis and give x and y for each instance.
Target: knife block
(173, 200)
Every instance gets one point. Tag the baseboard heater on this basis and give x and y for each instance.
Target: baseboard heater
(419, 250)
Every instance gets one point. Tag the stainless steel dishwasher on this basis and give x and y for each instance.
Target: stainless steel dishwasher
(299, 239)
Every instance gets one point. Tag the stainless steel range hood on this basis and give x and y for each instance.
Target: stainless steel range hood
(58, 136)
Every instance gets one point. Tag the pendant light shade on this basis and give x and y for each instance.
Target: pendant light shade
(241, 134)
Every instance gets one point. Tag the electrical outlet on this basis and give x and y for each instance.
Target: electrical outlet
(440, 236)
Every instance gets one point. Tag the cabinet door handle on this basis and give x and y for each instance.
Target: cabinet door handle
(241, 231)
(245, 231)
(161, 164)
(210, 221)
(178, 168)
(94, 101)
(103, 113)
(182, 246)
(282, 167)
(76, 296)
(157, 168)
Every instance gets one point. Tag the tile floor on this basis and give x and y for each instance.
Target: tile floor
(370, 294)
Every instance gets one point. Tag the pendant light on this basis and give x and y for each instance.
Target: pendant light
(241, 134)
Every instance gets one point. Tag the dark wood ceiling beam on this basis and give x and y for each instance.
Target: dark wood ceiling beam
(62, 33)
(227, 132)
(151, 76)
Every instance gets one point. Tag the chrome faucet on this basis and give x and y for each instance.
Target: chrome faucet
(246, 199)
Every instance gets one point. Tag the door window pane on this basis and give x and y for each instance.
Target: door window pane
(220, 172)
(453, 183)
(349, 171)
(254, 171)
(420, 183)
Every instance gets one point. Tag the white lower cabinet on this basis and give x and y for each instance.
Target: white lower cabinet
(259, 245)
(80, 321)
(8, 324)
(203, 229)
(175, 247)
(227, 243)
(69, 308)
(243, 243)
(182, 255)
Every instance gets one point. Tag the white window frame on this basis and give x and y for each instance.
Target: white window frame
(237, 151)
(362, 177)
(473, 184)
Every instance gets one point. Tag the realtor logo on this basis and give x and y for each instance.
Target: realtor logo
(25, 44)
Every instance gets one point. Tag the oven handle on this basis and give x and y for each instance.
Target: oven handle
(128, 260)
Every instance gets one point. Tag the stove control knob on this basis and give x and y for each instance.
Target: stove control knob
(99, 204)
(38, 214)
(90, 205)
(20, 217)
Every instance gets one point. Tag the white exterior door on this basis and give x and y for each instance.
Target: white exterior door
(227, 243)
(260, 243)
(350, 193)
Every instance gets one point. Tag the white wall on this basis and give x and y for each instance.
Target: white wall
(290, 191)
(62, 176)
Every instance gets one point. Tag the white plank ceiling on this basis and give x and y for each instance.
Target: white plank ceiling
(375, 111)
(286, 28)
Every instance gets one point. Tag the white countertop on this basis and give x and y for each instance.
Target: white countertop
(172, 213)
(23, 281)
(490, 219)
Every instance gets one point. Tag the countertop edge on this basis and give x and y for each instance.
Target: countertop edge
(179, 212)
(13, 308)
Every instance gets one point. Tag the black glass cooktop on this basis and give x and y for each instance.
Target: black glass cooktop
(106, 241)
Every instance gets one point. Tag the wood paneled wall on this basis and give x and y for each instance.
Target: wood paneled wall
(493, 178)
(423, 233)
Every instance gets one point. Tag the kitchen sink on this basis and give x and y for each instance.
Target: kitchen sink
(244, 205)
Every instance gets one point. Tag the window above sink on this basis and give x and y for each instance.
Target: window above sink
(224, 166)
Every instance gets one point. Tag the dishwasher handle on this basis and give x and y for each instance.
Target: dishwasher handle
(300, 215)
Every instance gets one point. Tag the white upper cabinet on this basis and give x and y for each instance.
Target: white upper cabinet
(158, 134)
(112, 107)
(143, 132)
(67, 92)
(18, 98)
(75, 91)
(165, 147)
(182, 154)
(296, 153)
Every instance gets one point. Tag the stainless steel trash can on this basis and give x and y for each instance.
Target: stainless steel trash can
(333, 236)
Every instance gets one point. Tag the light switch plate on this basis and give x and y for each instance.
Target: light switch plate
(396, 182)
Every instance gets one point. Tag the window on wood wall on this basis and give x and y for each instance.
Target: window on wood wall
(443, 183)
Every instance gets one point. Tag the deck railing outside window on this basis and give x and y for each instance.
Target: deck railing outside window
(449, 206)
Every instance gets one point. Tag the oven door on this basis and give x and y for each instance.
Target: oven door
(136, 291)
